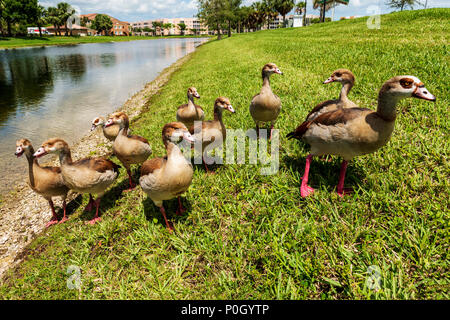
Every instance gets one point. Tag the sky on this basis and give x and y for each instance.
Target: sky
(138, 10)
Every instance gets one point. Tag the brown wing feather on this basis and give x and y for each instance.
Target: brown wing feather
(320, 106)
(142, 139)
(151, 165)
(182, 106)
(97, 164)
(53, 169)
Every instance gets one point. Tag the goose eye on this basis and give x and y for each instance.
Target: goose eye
(406, 83)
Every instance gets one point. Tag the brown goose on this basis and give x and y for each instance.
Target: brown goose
(46, 181)
(190, 112)
(213, 130)
(351, 132)
(110, 132)
(347, 79)
(129, 149)
(88, 175)
(168, 177)
(266, 106)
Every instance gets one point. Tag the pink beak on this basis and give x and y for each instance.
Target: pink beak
(40, 152)
(422, 93)
(330, 79)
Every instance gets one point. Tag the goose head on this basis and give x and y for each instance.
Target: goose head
(176, 132)
(401, 87)
(223, 103)
(119, 118)
(270, 69)
(54, 145)
(192, 93)
(341, 75)
(23, 146)
(99, 121)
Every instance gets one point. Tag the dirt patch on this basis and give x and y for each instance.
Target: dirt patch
(23, 213)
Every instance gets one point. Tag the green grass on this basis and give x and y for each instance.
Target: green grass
(248, 236)
(32, 41)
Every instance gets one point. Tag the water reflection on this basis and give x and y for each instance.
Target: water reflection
(56, 91)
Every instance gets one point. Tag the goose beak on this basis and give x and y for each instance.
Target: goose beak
(230, 108)
(197, 96)
(19, 152)
(330, 79)
(188, 137)
(422, 93)
(40, 152)
(109, 123)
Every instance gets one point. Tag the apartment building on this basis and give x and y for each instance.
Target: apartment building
(119, 28)
(191, 25)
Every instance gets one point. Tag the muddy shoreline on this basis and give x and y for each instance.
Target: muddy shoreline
(23, 213)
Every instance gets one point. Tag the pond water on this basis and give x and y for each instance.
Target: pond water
(56, 91)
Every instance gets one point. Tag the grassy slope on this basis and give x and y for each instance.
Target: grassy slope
(252, 237)
(9, 43)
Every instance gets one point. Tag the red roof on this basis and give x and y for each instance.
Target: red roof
(91, 16)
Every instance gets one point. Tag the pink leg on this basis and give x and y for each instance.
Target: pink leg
(306, 190)
(168, 225)
(64, 219)
(271, 130)
(340, 187)
(90, 204)
(96, 217)
(54, 218)
(130, 179)
(180, 209)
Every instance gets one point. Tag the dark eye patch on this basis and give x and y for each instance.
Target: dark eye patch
(406, 83)
(338, 74)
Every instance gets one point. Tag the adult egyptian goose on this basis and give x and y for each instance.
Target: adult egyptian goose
(129, 149)
(347, 79)
(266, 106)
(190, 112)
(168, 177)
(110, 132)
(46, 181)
(88, 175)
(213, 130)
(350, 132)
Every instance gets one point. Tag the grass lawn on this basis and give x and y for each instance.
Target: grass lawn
(9, 43)
(250, 236)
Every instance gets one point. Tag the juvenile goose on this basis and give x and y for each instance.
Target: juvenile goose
(46, 181)
(88, 175)
(213, 130)
(129, 149)
(190, 112)
(168, 177)
(110, 132)
(266, 106)
(347, 79)
(351, 132)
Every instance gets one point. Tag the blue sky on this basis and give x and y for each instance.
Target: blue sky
(135, 10)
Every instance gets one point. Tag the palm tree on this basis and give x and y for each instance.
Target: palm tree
(182, 27)
(301, 8)
(283, 7)
(401, 4)
(65, 12)
(41, 18)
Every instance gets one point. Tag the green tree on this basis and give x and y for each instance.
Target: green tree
(212, 13)
(19, 12)
(65, 11)
(41, 18)
(157, 25)
(165, 26)
(102, 23)
(301, 8)
(182, 27)
(401, 4)
(283, 7)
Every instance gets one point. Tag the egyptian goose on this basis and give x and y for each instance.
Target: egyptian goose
(213, 130)
(110, 132)
(190, 112)
(46, 181)
(88, 175)
(347, 79)
(351, 132)
(266, 106)
(129, 149)
(168, 177)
